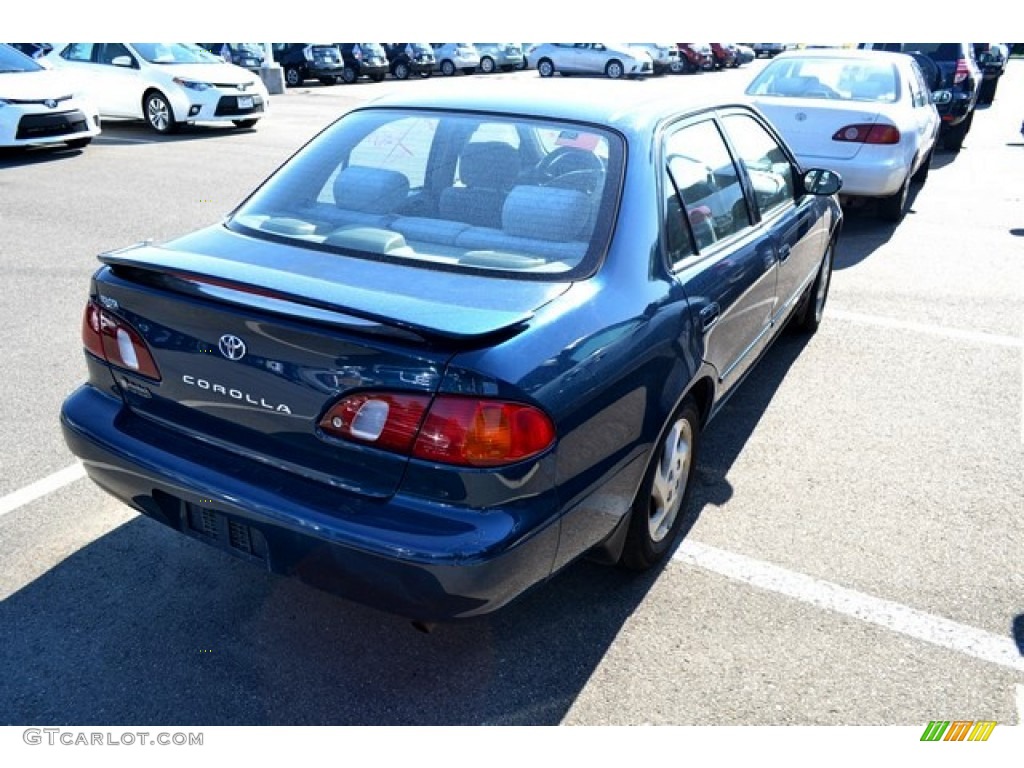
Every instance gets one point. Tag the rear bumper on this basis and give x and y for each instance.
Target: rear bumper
(877, 177)
(444, 564)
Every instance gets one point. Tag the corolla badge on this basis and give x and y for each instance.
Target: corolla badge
(801, 116)
(232, 347)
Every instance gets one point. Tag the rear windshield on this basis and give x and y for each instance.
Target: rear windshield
(448, 190)
(174, 53)
(826, 78)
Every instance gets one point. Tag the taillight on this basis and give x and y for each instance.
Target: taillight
(463, 431)
(868, 133)
(112, 339)
(962, 71)
(385, 420)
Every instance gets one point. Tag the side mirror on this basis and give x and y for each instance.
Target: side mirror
(819, 181)
(944, 96)
(122, 61)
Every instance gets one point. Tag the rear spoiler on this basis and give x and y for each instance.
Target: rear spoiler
(309, 297)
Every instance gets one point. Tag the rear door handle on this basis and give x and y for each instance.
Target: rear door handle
(784, 252)
(709, 316)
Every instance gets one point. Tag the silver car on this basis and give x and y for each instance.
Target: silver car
(455, 57)
(504, 56)
(614, 60)
(663, 55)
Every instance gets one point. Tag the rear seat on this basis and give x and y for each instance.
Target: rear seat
(368, 196)
(540, 221)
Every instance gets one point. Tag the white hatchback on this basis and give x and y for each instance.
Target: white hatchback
(867, 114)
(41, 107)
(165, 84)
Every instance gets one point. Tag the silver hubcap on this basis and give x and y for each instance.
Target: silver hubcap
(159, 114)
(670, 477)
(819, 297)
(614, 71)
(545, 68)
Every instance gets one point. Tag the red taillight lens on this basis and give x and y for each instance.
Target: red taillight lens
(962, 71)
(385, 420)
(482, 433)
(453, 430)
(111, 338)
(868, 133)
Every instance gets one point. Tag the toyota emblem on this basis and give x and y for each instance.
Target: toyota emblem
(801, 116)
(232, 347)
(51, 103)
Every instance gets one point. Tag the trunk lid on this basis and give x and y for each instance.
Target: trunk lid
(255, 344)
(808, 126)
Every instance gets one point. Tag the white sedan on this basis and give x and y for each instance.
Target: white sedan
(614, 60)
(867, 114)
(39, 106)
(165, 84)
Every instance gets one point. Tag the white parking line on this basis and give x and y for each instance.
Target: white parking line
(40, 488)
(893, 616)
(978, 337)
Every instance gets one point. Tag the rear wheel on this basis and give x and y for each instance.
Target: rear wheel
(921, 174)
(401, 71)
(447, 68)
(349, 75)
(659, 508)
(954, 140)
(894, 207)
(814, 305)
(293, 77)
(487, 65)
(545, 68)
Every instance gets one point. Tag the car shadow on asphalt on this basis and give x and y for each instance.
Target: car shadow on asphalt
(1018, 633)
(17, 157)
(144, 625)
(125, 132)
(864, 232)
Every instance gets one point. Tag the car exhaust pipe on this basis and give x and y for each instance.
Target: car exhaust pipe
(426, 627)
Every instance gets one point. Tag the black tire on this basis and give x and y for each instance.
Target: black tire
(921, 174)
(247, 123)
(157, 111)
(987, 92)
(349, 75)
(401, 71)
(813, 310)
(293, 77)
(894, 207)
(447, 68)
(78, 143)
(545, 68)
(614, 69)
(954, 139)
(661, 503)
(487, 65)
(378, 78)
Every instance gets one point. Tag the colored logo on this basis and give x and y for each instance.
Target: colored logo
(958, 730)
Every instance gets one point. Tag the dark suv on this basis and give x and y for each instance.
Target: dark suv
(958, 73)
(407, 59)
(363, 60)
(304, 61)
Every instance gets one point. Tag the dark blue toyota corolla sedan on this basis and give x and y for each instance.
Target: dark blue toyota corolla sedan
(455, 343)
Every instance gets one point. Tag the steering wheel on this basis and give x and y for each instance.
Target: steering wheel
(571, 168)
